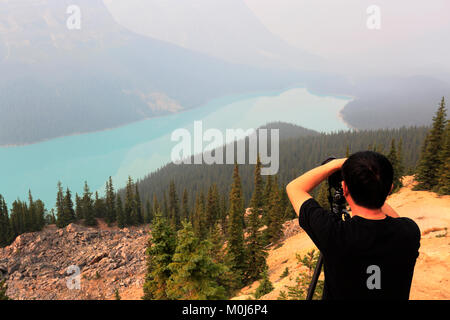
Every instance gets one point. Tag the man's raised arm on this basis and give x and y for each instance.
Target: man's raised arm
(298, 190)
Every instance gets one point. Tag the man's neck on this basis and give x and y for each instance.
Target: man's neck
(371, 214)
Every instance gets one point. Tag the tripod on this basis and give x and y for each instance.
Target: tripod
(338, 206)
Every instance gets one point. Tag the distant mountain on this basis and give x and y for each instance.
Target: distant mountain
(56, 81)
(225, 29)
(392, 102)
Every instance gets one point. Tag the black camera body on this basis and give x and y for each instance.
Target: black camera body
(338, 204)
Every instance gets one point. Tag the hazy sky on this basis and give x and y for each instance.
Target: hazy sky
(413, 38)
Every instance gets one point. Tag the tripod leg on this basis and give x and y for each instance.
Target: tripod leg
(315, 277)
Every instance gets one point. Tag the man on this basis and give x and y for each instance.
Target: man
(372, 254)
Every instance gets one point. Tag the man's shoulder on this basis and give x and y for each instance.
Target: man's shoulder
(408, 227)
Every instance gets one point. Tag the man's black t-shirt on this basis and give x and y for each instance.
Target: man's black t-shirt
(363, 259)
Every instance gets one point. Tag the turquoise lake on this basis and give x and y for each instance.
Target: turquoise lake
(142, 147)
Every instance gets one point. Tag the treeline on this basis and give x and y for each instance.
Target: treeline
(24, 217)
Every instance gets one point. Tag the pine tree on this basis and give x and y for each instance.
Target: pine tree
(400, 161)
(443, 186)
(160, 251)
(185, 216)
(265, 286)
(194, 273)
(130, 205)
(199, 217)
(138, 206)
(236, 249)
(69, 213)
(110, 200)
(256, 255)
(79, 207)
(212, 207)
(430, 162)
(227, 279)
(32, 213)
(174, 207)
(40, 214)
(59, 206)
(266, 199)
(274, 230)
(5, 229)
(393, 158)
(121, 220)
(148, 217)
(88, 207)
(99, 206)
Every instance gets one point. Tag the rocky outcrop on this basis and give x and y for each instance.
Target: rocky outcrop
(49, 264)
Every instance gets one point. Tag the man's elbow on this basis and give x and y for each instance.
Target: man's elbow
(289, 187)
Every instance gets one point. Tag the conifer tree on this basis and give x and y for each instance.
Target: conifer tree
(266, 199)
(130, 206)
(59, 205)
(199, 217)
(148, 217)
(40, 214)
(274, 229)
(443, 186)
(138, 206)
(430, 162)
(160, 251)
(393, 158)
(226, 279)
(78, 207)
(265, 286)
(99, 206)
(236, 249)
(88, 207)
(256, 255)
(69, 213)
(110, 200)
(5, 230)
(185, 216)
(121, 220)
(212, 207)
(400, 161)
(156, 206)
(174, 207)
(194, 273)
(32, 213)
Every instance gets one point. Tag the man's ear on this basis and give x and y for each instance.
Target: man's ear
(345, 188)
(392, 188)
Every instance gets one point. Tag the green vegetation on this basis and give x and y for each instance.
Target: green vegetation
(265, 286)
(3, 288)
(300, 289)
(433, 169)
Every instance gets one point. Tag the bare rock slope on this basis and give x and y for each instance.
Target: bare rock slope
(36, 264)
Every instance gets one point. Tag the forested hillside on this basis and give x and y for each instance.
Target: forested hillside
(300, 150)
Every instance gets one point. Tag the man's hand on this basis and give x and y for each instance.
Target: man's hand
(298, 190)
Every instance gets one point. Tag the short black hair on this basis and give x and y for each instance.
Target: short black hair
(368, 176)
